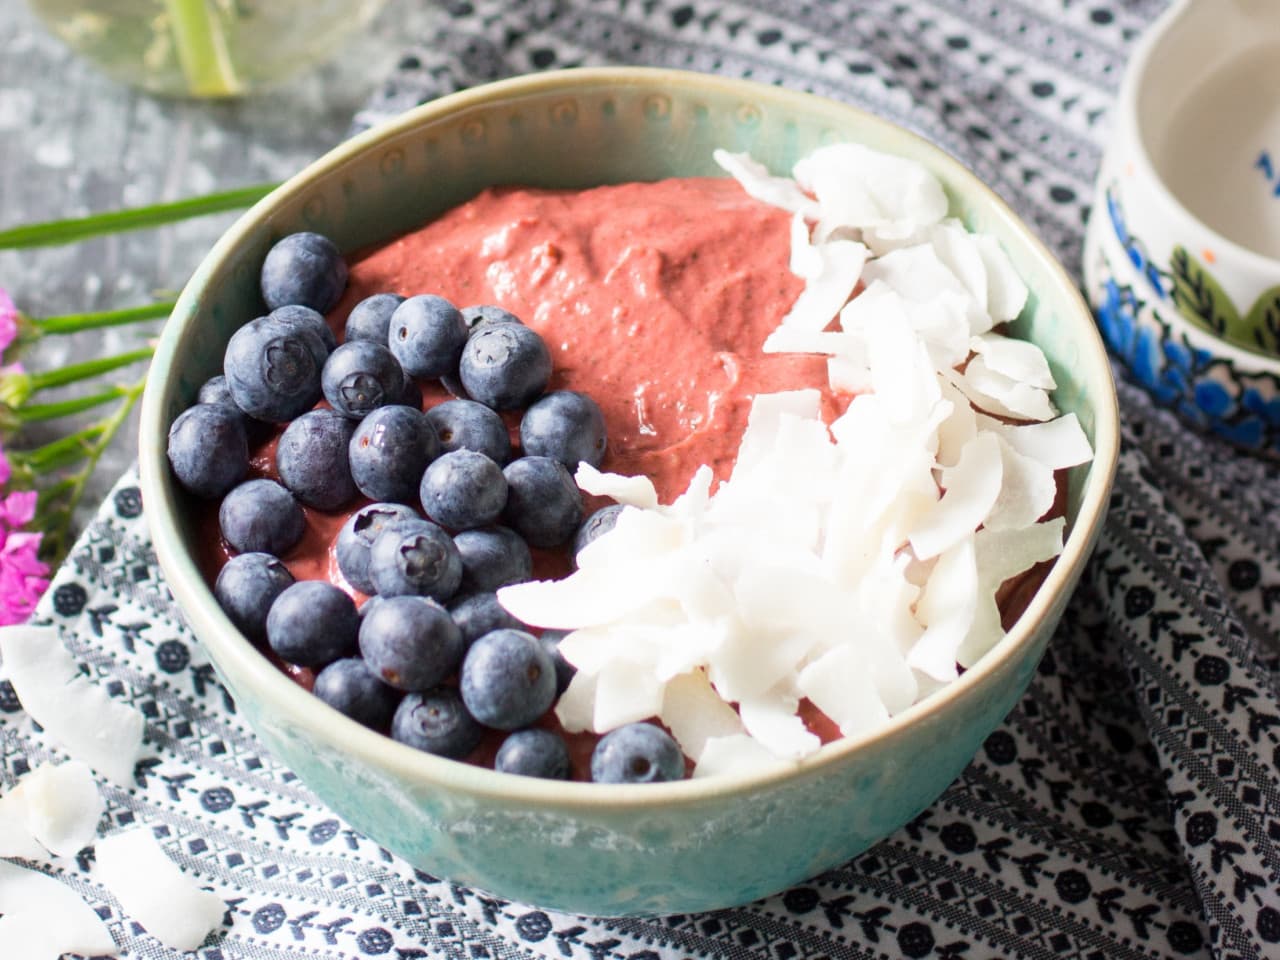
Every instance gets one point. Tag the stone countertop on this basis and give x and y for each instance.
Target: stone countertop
(73, 142)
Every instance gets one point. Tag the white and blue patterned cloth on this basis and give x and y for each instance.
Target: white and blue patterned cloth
(1129, 807)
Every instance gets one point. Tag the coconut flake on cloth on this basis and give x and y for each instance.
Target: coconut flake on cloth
(853, 564)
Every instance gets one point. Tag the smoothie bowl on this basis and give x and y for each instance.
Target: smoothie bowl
(757, 823)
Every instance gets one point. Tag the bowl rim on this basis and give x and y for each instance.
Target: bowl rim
(271, 686)
(1132, 86)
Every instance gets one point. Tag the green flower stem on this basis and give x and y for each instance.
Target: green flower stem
(116, 221)
(32, 413)
(75, 322)
(202, 49)
(74, 372)
(58, 502)
(59, 453)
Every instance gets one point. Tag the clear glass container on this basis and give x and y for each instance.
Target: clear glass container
(204, 48)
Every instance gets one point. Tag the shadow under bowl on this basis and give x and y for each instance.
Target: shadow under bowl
(590, 848)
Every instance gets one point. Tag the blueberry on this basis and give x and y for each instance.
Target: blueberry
(271, 370)
(208, 449)
(565, 425)
(534, 753)
(370, 319)
(311, 322)
(304, 268)
(411, 643)
(416, 558)
(467, 425)
(550, 640)
(478, 317)
(463, 489)
(215, 390)
(246, 587)
(354, 542)
(479, 613)
(312, 623)
(436, 722)
(260, 516)
(636, 753)
(361, 376)
(410, 393)
(350, 687)
(492, 557)
(426, 334)
(595, 526)
(389, 452)
(312, 459)
(505, 366)
(543, 503)
(507, 679)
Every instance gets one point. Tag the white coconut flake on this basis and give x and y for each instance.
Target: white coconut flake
(1001, 554)
(772, 720)
(1027, 490)
(154, 891)
(840, 684)
(831, 287)
(695, 714)
(1057, 444)
(16, 839)
(63, 806)
(957, 248)
(736, 755)
(947, 607)
(1006, 293)
(759, 183)
(43, 918)
(1016, 359)
(998, 394)
(576, 706)
(919, 275)
(858, 187)
(76, 713)
(630, 491)
(971, 489)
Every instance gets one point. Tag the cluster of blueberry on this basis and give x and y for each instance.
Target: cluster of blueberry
(391, 665)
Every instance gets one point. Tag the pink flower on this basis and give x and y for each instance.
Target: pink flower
(8, 321)
(17, 509)
(23, 578)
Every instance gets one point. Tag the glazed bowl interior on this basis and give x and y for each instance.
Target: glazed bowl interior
(1203, 96)
(649, 849)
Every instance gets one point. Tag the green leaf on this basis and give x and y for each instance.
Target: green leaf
(116, 221)
(1202, 301)
(1263, 320)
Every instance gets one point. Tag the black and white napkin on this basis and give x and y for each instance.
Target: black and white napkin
(1129, 807)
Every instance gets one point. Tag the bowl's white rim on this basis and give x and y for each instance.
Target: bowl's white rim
(271, 686)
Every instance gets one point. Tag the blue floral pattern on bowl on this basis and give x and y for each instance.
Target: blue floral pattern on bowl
(1206, 388)
(1190, 288)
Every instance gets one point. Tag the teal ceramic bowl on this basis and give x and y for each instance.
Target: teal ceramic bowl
(588, 848)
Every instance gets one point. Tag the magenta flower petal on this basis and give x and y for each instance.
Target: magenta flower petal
(8, 320)
(23, 578)
(17, 509)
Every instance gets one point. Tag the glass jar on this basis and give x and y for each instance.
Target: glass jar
(203, 48)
